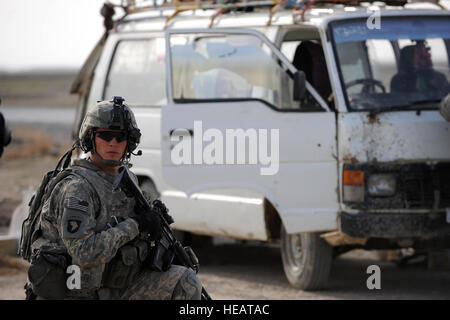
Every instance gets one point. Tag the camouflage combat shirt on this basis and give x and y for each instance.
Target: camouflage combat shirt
(78, 215)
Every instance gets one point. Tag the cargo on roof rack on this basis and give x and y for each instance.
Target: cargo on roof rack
(298, 7)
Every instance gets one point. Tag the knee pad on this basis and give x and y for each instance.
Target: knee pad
(188, 287)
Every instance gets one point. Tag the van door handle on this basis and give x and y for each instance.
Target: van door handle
(181, 132)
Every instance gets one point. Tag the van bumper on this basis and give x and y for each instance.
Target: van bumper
(394, 225)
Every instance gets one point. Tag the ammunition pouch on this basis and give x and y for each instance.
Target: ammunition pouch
(47, 272)
(161, 255)
(121, 271)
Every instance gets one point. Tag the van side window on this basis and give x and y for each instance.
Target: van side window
(137, 72)
(219, 66)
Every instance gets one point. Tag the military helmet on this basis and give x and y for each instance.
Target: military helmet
(113, 114)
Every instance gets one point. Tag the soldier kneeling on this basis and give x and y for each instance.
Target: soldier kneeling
(85, 223)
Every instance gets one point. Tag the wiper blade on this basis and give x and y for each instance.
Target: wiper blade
(402, 106)
(417, 102)
(387, 109)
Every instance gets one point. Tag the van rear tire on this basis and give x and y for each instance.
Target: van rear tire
(307, 260)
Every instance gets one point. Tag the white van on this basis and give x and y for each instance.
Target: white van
(239, 145)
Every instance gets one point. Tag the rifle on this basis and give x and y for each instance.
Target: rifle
(168, 246)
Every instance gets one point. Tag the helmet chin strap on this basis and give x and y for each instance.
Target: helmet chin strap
(109, 163)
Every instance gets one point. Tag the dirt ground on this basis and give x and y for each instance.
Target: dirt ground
(17, 176)
(254, 272)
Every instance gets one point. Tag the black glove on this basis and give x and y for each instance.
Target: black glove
(149, 223)
(159, 207)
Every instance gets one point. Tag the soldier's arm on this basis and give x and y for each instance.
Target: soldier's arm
(77, 228)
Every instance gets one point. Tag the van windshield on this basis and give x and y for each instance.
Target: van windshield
(401, 63)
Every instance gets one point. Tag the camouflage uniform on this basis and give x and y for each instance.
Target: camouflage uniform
(93, 223)
(77, 216)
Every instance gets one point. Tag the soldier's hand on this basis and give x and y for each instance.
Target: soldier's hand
(149, 223)
(161, 208)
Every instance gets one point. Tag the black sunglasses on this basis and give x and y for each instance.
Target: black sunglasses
(109, 135)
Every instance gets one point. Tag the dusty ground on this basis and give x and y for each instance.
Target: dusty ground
(33, 151)
(237, 272)
(30, 155)
(18, 175)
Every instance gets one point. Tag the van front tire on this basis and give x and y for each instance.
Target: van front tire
(307, 260)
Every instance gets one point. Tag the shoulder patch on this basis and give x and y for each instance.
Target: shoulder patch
(77, 204)
(74, 223)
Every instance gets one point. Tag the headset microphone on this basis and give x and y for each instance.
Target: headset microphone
(139, 153)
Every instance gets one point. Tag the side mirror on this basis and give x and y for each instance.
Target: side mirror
(299, 85)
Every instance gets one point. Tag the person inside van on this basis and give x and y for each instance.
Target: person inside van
(416, 73)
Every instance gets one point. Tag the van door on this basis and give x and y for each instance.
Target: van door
(231, 124)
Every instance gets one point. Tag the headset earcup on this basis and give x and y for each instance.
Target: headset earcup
(133, 139)
(87, 141)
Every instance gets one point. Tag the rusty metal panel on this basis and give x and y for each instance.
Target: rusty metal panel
(402, 136)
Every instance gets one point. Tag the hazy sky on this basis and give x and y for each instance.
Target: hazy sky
(37, 34)
(40, 34)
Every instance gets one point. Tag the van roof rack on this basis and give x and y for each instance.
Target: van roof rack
(133, 6)
(224, 6)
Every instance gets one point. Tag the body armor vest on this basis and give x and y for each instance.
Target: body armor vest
(112, 208)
